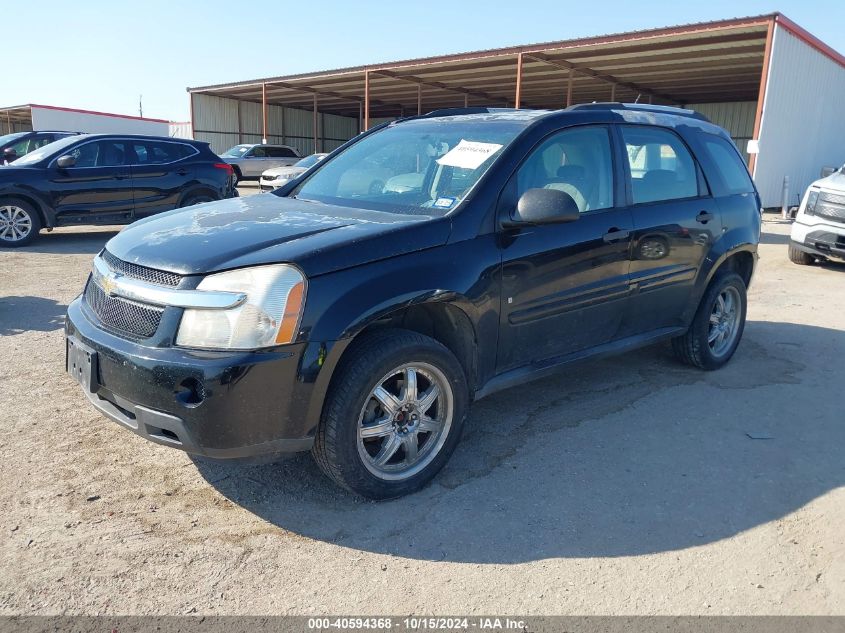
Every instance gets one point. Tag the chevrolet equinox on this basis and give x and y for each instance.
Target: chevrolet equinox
(358, 310)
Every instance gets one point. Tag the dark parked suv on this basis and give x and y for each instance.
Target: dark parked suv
(17, 144)
(359, 322)
(106, 179)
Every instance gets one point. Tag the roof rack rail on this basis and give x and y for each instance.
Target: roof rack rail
(459, 111)
(640, 107)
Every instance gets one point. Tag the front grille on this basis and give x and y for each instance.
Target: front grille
(120, 314)
(150, 275)
(831, 206)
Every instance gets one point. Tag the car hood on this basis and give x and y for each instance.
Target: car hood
(265, 229)
(834, 182)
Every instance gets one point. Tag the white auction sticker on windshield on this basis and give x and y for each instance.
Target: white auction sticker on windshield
(468, 154)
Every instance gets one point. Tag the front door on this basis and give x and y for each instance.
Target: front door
(676, 221)
(98, 188)
(565, 286)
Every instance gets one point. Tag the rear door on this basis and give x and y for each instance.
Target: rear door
(161, 170)
(98, 188)
(565, 286)
(675, 219)
(282, 156)
(255, 161)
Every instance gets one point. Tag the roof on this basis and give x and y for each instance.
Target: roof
(691, 63)
(23, 113)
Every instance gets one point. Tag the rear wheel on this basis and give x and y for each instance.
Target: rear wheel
(19, 223)
(797, 256)
(717, 326)
(393, 416)
(199, 198)
(236, 176)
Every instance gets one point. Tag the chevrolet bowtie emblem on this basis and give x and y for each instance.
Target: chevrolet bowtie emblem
(108, 283)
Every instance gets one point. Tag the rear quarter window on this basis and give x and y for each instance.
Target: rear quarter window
(729, 166)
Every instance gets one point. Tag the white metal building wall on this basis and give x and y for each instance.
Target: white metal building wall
(216, 122)
(95, 122)
(803, 128)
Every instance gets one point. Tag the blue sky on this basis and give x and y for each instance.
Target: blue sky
(101, 55)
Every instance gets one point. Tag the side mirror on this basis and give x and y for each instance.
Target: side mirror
(66, 161)
(545, 206)
(9, 154)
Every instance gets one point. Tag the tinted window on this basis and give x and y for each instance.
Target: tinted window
(156, 153)
(280, 152)
(100, 154)
(662, 167)
(577, 161)
(258, 152)
(731, 167)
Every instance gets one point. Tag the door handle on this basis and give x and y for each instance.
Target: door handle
(704, 217)
(615, 235)
(182, 172)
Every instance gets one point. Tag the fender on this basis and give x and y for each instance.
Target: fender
(345, 303)
(35, 197)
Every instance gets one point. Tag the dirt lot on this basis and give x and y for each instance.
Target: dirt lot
(628, 486)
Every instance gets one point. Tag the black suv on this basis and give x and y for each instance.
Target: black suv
(106, 179)
(360, 321)
(17, 144)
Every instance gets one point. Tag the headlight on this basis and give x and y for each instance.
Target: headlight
(812, 199)
(269, 316)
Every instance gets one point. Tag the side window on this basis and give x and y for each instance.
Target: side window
(40, 141)
(662, 167)
(100, 154)
(577, 161)
(730, 166)
(258, 152)
(284, 152)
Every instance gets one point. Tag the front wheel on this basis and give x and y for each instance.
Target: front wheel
(717, 326)
(393, 416)
(797, 256)
(19, 223)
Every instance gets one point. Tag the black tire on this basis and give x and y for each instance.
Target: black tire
(336, 446)
(199, 198)
(693, 347)
(236, 176)
(797, 256)
(23, 212)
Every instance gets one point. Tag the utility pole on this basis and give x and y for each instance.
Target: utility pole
(140, 106)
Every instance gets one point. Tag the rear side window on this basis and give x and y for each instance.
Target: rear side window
(661, 166)
(157, 153)
(730, 166)
(280, 152)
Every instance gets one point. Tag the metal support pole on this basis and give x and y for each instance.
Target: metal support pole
(264, 113)
(518, 100)
(613, 92)
(784, 205)
(466, 100)
(360, 117)
(419, 99)
(240, 131)
(366, 100)
(316, 146)
(569, 87)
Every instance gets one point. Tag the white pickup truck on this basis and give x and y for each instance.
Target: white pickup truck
(819, 228)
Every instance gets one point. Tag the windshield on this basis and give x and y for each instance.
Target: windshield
(237, 151)
(421, 167)
(8, 138)
(51, 149)
(308, 161)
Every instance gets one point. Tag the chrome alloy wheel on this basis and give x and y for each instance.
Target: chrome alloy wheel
(15, 223)
(724, 321)
(405, 421)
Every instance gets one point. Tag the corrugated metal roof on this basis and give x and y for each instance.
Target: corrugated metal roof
(706, 61)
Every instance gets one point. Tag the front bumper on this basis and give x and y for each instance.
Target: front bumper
(820, 239)
(223, 405)
(270, 185)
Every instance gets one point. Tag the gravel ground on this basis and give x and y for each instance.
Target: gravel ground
(632, 485)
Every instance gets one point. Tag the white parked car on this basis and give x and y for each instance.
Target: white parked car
(278, 176)
(819, 227)
(251, 160)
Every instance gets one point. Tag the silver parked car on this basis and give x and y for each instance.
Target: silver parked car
(278, 176)
(250, 160)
